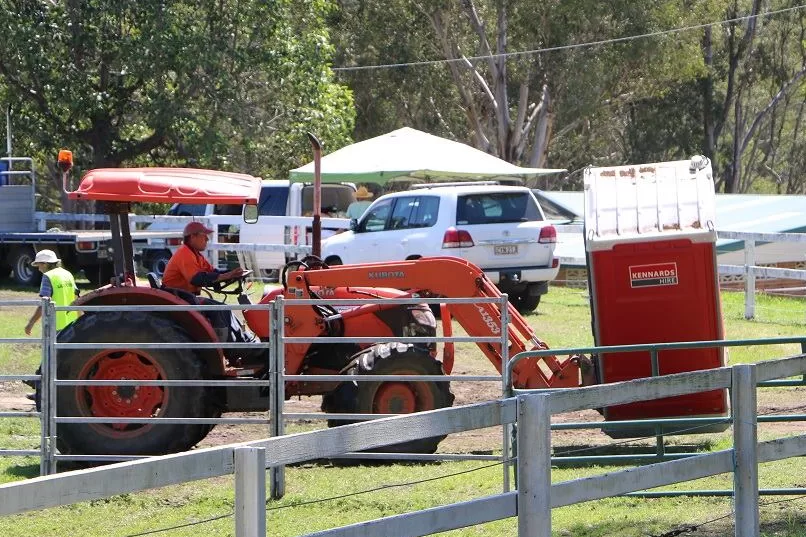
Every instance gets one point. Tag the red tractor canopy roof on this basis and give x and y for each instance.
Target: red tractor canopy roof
(167, 185)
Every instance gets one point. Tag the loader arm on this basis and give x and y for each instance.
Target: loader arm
(452, 277)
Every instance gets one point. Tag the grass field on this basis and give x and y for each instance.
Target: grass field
(321, 495)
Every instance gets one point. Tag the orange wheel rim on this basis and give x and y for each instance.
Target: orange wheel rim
(121, 401)
(398, 397)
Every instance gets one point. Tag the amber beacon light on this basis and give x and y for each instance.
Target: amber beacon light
(65, 160)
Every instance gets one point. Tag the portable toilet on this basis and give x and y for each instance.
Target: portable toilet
(650, 242)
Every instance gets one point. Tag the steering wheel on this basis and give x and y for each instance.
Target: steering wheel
(289, 267)
(223, 287)
(309, 262)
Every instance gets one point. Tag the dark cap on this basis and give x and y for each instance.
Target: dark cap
(196, 227)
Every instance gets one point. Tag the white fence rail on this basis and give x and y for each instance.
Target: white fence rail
(531, 503)
(751, 271)
(573, 232)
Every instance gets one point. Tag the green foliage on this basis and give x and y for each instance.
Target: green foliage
(393, 31)
(587, 87)
(233, 85)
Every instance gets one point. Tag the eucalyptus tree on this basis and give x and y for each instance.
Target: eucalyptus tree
(508, 76)
(233, 83)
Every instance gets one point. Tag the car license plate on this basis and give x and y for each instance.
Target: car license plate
(507, 249)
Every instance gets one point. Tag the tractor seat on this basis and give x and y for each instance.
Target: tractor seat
(156, 283)
(154, 280)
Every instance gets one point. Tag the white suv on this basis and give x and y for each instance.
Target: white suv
(501, 229)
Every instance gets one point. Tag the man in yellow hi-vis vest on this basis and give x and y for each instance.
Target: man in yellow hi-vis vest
(59, 285)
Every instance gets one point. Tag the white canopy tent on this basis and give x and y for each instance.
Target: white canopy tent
(408, 152)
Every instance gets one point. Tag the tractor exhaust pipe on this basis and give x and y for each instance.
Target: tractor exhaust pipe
(316, 247)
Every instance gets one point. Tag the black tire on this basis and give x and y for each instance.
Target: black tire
(158, 262)
(24, 273)
(271, 275)
(111, 401)
(333, 261)
(392, 397)
(527, 303)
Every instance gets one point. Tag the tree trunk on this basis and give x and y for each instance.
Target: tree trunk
(732, 177)
(709, 142)
(543, 129)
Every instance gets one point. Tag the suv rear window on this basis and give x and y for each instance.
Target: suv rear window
(496, 208)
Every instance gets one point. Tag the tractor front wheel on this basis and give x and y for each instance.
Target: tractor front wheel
(393, 396)
(113, 362)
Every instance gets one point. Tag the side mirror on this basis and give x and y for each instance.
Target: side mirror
(250, 214)
(353, 224)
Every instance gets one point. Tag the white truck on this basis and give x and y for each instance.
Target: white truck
(284, 219)
(23, 231)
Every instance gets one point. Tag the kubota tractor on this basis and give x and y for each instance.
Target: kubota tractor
(309, 278)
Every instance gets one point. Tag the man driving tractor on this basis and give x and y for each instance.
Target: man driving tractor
(188, 270)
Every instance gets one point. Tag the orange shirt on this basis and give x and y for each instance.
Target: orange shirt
(185, 264)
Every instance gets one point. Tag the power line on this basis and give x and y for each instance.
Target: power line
(571, 46)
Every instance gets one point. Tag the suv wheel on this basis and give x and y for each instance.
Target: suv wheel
(525, 303)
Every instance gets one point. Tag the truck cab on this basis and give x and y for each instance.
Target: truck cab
(278, 198)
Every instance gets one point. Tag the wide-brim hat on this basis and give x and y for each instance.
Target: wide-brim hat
(45, 256)
(363, 193)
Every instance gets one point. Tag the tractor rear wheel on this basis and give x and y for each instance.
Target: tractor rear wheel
(114, 363)
(393, 397)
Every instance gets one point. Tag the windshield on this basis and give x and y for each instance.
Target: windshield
(273, 201)
(187, 209)
(335, 200)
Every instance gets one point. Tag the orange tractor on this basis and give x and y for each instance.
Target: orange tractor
(309, 278)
